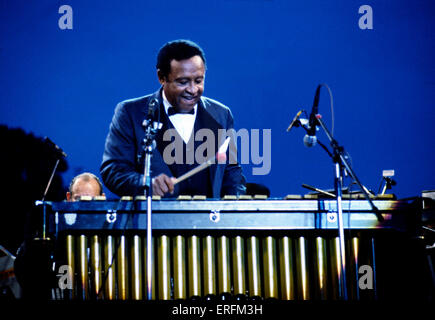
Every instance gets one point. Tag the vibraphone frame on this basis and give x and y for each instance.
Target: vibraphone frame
(207, 248)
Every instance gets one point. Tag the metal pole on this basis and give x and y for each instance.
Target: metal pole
(338, 190)
(151, 129)
(149, 250)
(44, 213)
(339, 151)
(51, 178)
(148, 194)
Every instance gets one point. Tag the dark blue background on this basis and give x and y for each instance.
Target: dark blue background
(265, 60)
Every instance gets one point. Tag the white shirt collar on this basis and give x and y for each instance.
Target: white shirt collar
(183, 123)
(167, 105)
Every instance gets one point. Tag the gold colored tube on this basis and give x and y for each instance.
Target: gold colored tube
(254, 273)
(223, 248)
(302, 269)
(164, 270)
(153, 270)
(122, 269)
(239, 266)
(179, 254)
(335, 268)
(136, 266)
(70, 256)
(194, 266)
(321, 268)
(83, 267)
(109, 277)
(286, 269)
(96, 265)
(354, 266)
(270, 268)
(209, 259)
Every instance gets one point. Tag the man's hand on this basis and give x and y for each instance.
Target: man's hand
(163, 184)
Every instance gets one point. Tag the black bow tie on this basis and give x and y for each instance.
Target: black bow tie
(173, 110)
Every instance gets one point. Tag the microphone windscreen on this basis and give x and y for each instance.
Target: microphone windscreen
(310, 141)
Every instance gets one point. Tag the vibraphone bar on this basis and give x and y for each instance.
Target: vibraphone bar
(258, 249)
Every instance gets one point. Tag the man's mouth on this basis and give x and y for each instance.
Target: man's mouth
(189, 98)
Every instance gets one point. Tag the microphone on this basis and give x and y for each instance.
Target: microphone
(295, 119)
(152, 107)
(310, 139)
(56, 148)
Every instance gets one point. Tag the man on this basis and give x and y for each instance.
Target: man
(84, 184)
(32, 265)
(182, 109)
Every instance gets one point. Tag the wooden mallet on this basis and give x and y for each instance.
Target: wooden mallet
(221, 157)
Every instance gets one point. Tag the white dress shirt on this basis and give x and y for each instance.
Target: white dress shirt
(183, 122)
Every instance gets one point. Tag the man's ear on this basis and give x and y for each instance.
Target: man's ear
(68, 196)
(161, 77)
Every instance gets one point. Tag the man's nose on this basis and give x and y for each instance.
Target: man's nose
(192, 88)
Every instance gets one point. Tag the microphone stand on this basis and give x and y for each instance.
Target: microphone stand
(151, 128)
(340, 160)
(341, 157)
(44, 204)
(43, 246)
(59, 155)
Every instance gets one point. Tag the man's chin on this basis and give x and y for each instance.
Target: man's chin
(185, 105)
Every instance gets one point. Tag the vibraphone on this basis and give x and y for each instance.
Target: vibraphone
(244, 249)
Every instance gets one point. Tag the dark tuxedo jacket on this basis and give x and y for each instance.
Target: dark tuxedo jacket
(123, 161)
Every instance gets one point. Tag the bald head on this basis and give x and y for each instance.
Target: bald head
(85, 184)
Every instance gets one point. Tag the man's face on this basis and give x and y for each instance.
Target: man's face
(184, 85)
(83, 188)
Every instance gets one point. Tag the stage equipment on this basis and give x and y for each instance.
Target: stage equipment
(241, 247)
(151, 126)
(340, 159)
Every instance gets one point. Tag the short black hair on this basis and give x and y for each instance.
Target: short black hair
(177, 50)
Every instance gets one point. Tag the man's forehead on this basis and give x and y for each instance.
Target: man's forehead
(85, 183)
(193, 64)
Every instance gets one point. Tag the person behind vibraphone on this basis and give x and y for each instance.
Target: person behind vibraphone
(84, 184)
(31, 273)
(181, 67)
